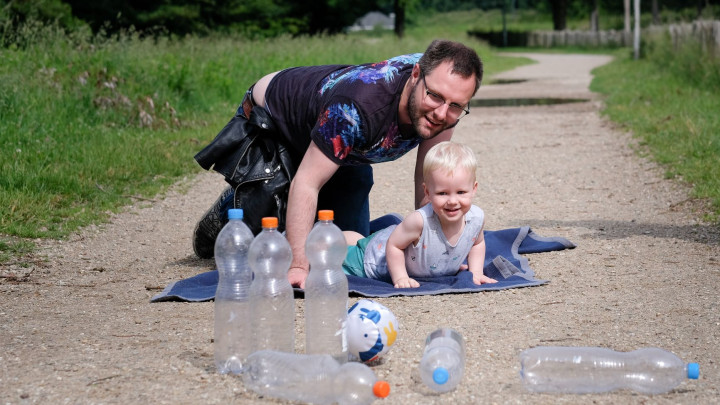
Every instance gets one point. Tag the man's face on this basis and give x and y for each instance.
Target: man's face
(427, 119)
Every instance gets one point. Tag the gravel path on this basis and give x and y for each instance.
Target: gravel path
(79, 328)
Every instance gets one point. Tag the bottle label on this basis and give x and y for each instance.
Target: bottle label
(343, 331)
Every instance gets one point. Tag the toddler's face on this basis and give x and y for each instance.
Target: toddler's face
(450, 194)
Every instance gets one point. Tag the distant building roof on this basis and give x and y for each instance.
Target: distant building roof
(374, 19)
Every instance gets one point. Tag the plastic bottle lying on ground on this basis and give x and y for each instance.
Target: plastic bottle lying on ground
(443, 361)
(580, 370)
(314, 378)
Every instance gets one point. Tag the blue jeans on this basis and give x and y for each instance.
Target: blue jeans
(347, 194)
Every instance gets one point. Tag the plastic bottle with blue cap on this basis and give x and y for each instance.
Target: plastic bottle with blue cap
(232, 304)
(443, 361)
(584, 370)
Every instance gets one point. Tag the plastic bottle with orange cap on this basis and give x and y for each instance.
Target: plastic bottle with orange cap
(313, 378)
(272, 319)
(326, 290)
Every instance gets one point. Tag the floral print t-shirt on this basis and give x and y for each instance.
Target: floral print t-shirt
(350, 112)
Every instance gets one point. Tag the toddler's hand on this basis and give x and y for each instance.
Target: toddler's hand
(483, 279)
(406, 282)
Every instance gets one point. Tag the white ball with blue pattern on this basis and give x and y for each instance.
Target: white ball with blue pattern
(371, 329)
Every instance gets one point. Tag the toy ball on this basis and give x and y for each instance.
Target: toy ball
(371, 330)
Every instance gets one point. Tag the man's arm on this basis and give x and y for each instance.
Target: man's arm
(423, 148)
(314, 171)
(407, 232)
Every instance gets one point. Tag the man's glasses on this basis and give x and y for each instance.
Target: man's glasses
(434, 100)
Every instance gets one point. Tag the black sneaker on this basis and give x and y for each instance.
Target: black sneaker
(208, 228)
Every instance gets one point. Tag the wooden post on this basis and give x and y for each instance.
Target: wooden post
(626, 3)
(595, 17)
(504, 23)
(636, 41)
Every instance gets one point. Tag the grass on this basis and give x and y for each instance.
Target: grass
(669, 100)
(532, 20)
(89, 125)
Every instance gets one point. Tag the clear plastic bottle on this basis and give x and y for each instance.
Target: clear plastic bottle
(443, 361)
(314, 378)
(326, 290)
(273, 300)
(232, 312)
(579, 370)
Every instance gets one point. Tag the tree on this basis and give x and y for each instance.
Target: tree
(595, 16)
(626, 3)
(329, 16)
(399, 9)
(402, 8)
(655, 12)
(559, 13)
(46, 11)
(254, 17)
(701, 4)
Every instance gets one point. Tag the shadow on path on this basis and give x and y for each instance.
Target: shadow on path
(606, 229)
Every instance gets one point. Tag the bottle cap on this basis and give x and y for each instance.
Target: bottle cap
(235, 213)
(441, 375)
(326, 215)
(693, 370)
(269, 222)
(381, 389)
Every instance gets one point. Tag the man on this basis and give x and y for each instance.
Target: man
(337, 120)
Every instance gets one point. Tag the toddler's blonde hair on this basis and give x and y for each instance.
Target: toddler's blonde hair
(450, 156)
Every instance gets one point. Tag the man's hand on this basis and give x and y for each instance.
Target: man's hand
(406, 282)
(312, 174)
(297, 276)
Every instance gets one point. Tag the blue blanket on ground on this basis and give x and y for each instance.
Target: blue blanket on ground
(503, 262)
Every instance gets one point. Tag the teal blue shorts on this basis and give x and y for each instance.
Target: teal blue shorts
(354, 263)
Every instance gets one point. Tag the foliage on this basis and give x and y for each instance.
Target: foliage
(256, 18)
(47, 11)
(269, 18)
(669, 100)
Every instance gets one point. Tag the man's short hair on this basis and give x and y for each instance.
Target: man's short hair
(465, 60)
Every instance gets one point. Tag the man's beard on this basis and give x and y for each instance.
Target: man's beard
(416, 116)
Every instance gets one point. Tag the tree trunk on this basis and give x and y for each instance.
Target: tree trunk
(627, 15)
(399, 18)
(636, 36)
(655, 13)
(559, 12)
(595, 17)
(700, 6)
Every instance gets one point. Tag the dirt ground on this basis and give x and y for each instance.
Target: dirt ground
(78, 328)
